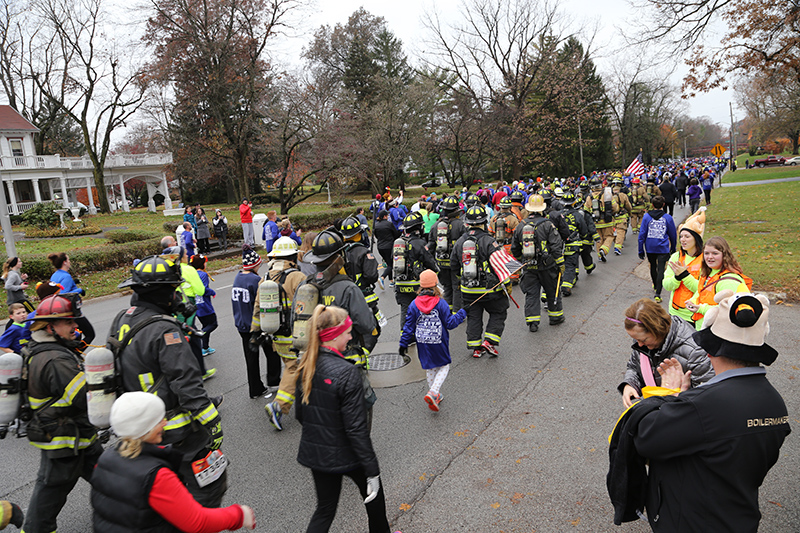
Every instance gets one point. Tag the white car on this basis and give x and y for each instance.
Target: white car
(794, 161)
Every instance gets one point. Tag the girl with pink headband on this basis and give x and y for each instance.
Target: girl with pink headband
(335, 441)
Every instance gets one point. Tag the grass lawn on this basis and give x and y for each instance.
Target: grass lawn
(760, 223)
(758, 174)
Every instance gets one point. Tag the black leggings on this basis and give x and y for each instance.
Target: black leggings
(386, 254)
(209, 323)
(329, 486)
(658, 263)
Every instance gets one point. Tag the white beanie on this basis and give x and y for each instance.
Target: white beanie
(135, 414)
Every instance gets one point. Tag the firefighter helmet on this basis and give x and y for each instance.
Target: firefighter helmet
(350, 227)
(328, 243)
(58, 307)
(283, 247)
(476, 215)
(413, 221)
(449, 205)
(152, 271)
(504, 203)
(518, 197)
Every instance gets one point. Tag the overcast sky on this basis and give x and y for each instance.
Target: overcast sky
(404, 20)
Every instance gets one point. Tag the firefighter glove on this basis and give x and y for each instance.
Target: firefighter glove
(373, 486)
(215, 432)
(509, 288)
(255, 338)
(562, 267)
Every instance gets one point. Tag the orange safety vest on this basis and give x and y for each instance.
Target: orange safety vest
(707, 288)
(683, 293)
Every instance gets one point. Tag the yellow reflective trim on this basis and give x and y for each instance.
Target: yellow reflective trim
(207, 415)
(285, 396)
(62, 442)
(37, 402)
(74, 387)
(147, 268)
(372, 298)
(146, 381)
(161, 268)
(178, 421)
(492, 336)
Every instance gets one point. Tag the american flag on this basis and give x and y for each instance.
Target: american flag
(503, 264)
(636, 167)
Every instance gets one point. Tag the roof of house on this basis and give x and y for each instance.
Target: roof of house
(10, 119)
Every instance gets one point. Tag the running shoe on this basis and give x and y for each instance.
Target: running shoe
(209, 373)
(490, 348)
(275, 415)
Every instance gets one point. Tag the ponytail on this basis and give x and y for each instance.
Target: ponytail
(323, 317)
(57, 259)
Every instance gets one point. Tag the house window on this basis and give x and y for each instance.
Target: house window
(16, 147)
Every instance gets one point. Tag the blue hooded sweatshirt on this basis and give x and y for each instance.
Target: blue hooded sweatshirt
(425, 320)
(657, 234)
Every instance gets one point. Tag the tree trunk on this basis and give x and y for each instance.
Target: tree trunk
(100, 184)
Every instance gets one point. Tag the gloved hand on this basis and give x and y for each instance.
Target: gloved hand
(10, 513)
(249, 520)
(403, 350)
(215, 431)
(373, 486)
(255, 338)
(641, 256)
(509, 287)
(562, 267)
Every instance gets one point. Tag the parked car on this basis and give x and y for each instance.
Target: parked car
(771, 160)
(792, 161)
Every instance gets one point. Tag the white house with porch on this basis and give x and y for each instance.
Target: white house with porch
(31, 179)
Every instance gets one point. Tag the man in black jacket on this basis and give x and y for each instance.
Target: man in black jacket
(710, 450)
(669, 192)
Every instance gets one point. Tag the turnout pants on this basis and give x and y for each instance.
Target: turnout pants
(636, 220)
(622, 230)
(285, 395)
(606, 239)
(404, 299)
(55, 480)
(586, 257)
(571, 264)
(496, 304)
(533, 282)
(452, 288)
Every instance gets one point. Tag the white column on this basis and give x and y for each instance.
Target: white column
(165, 192)
(12, 197)
(50, 188)
(151, 190)
(91, 207)
(124, 196)
(36, 192)
(64, 199)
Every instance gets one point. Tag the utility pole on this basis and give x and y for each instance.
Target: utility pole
(5, 221)
(580, 144)
(733, 137)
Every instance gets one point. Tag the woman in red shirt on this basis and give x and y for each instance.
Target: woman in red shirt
(135, 485)
(246, 215)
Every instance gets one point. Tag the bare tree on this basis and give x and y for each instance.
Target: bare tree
(773, 107)
(82, 73)
(498, 55)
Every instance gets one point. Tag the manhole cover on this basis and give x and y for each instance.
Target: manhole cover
(387, 361)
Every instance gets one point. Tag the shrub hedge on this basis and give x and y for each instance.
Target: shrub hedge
(32, 233)
(92, 259)
(123, 236)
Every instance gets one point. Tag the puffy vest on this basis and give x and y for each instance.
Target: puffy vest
(121, 490)
(682, 293)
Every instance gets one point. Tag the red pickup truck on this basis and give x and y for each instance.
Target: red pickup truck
(771, 160)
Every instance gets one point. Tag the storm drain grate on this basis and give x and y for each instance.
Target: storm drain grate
(387, 361)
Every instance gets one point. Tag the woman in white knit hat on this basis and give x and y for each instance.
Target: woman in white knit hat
(135, 486)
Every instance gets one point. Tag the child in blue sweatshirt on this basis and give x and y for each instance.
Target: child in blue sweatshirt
(428, 319)
(17, 334)
(205, 309)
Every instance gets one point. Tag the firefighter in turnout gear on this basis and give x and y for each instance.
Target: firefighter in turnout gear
(578, 231)
(538, 244)
(283, 271)
(57, 397)
(603, 207)
(622, 216)
(502, 227)
(639, 202)
(589, 238)
(443, 236)
(334, 287)
(470, 258)
(410, 257)
(157, 359)
(360, 263)
(517, 204)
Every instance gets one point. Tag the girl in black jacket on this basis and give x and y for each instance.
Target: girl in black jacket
(335, 440)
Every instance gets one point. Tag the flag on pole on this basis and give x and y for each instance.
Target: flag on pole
(503, 264)
(636, 167)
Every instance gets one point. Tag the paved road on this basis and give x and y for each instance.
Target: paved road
(761, 182)
(520, 444)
